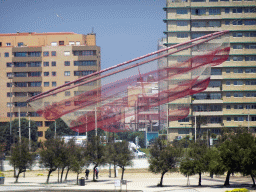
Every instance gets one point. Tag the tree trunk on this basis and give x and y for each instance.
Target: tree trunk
(77, 178)
(48, 177)
(122, 173)
(94, 173)
(67, 173)
(227, 179)
(161, 181)
(17, 176)
(62, 171)
(115, 169)
(200, 178)
(253, 181)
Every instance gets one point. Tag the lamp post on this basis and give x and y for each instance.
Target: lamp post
(29, 132)
(10, 77)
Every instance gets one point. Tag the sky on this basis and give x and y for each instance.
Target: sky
(125, 29)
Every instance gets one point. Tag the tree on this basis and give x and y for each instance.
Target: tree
(123, 155)
(248, 152)
(96, 153)
(78, 161)
(61, 129)
(21, 158)
(51, 155)
(229, 153)
(187, 168)
(164, 158)
(14, 137)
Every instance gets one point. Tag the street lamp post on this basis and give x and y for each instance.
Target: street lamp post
(10, 77)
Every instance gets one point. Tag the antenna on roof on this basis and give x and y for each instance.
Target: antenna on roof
(92, 29)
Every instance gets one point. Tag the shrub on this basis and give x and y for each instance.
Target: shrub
(239, 190)
(1, 174)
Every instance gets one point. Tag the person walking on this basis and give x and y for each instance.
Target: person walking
(87, 173)
(96, 172)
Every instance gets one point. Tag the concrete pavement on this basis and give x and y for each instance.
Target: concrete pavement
(140, 182)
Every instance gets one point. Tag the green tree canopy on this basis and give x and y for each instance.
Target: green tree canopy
(61, 130)
(21, 157)
(164, 158)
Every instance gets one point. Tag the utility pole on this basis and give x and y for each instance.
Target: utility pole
(55, 134)
(195, 128)
(96, 121)
(19, 128)
(29, 133)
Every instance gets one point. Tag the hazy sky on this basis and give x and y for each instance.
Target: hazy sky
(124, 29)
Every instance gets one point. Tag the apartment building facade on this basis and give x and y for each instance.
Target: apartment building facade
(32, 63)
(230, 99)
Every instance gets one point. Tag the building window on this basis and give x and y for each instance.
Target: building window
(238, 118)
(20, 44)
(228, 118)
(67, 63)
(238, 70)
(216, 71)
(39, 123)
(6, 54)
(46, 64)
(250, 46)
(8, 64)
(54, 44)
(61, 42)
(53, 53)
(238, 82)
(77, 43)
(237, 34)
(54, 84)
(83, 73)
(238, 46)
(227, 70)
(85, 63)
(67, 103)
(213, 11)
(46, 53)
(46, 84)
(67, 93)
(214, 24)
(71, 43)
(66, 53)
(46, 74)
(182, 23)
(54, 73)
(227, 10)
(84, 53)
(238, 94)
(8, 44)
(9, 84)
(198, 11)
(182, 35)
(9, 74)
(53, 63)
(237, 10)
(66, 73)
(249, 10)
(227, 22)
(250, 34)
(238, 58)
(237, 22)
(181, 11)
(228, 107)
(228, 94)
(250, 22)
(9, 94)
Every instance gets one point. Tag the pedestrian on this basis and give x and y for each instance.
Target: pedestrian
(87, 173)
(96, 172)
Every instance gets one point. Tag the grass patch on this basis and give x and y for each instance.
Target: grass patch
(145, 151)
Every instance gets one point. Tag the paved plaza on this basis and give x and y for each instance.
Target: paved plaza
(137, 180)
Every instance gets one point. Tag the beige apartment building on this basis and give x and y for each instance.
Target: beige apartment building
(32, 63)
(230, 98)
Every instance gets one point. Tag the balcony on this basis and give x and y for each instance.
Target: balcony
(207, 101)
(208, 113)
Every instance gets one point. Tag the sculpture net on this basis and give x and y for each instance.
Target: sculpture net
(129, 95)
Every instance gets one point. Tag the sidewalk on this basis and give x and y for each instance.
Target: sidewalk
(141, 182)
